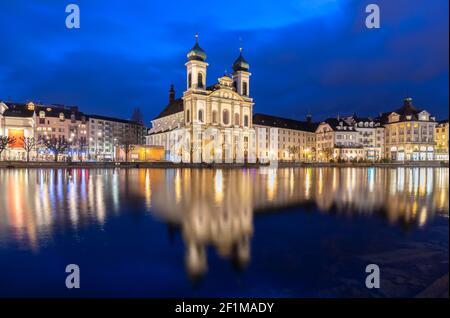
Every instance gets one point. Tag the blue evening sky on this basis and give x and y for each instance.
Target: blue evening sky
(305, 55)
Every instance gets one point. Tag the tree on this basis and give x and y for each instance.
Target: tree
(29, 144)
(328, 153)
(82, 145)
(293, 150)
(137, 116)
(5, 142)
(56, 145)
(127, 146)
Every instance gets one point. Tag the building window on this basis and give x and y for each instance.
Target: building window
(226, 117)
(214, 117)
(200, 80)
(236, 119)
(200, 115)
(189, 80)
(61, 116)
(188, 116)
(246, 120)
(244, 88)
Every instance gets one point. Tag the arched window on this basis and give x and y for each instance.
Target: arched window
(188, 116)
(246, 120)
(244, 88)
(235, 85)
(200, 80)
(236, 119)
(200, 115)
(214, 117)
(189, 80)
(226, 117)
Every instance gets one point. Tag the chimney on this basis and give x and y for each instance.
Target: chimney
(171, 94)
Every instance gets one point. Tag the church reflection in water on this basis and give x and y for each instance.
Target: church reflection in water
(210, 207)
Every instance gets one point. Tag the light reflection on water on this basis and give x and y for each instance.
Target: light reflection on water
(210, 207)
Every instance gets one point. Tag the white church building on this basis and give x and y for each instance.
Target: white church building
(209, 123)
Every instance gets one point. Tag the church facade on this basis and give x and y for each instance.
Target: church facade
(208, 123)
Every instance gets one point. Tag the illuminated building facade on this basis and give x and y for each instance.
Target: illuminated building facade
(336, 139)
(209, 123)
(370, 136)
(409, 133)
(284, 139)
(89, 136)
(16, 121)
(106, 134)
(441, 140)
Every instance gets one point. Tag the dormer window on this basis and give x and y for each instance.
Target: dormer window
(61, 116)
(41, 114)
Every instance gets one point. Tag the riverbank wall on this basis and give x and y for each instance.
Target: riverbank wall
(171, 165)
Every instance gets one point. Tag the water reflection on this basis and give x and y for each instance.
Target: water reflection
(210, 207)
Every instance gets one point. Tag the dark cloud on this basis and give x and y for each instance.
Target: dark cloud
(305, 56)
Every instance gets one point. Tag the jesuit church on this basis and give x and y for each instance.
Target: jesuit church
(208, 123)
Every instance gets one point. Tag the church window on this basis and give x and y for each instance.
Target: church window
(214, 117)
(189, 80)
(244, 88)
(226, 117)
(246, 120)
(236, 119)
(200, 80)
(200, 115)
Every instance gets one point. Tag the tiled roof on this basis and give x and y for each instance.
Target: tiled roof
(408, 109)
(273, 121)
(175, 106)
(17, 110)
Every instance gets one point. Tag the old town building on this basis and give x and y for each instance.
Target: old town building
(284, 139)
(409, 133)
(337, 140)
(370, 136)
(441, 140)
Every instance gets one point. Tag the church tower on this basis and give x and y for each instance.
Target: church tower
(241, 75)
(196, 67)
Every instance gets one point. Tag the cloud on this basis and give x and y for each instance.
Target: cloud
(305, 56)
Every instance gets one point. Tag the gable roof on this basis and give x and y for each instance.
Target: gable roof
(336, 123)
(408, 109)
(173, 107)
(279, 122)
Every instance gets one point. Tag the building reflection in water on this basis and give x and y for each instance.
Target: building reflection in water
(210, 207)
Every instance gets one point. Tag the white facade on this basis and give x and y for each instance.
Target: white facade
(209, 124)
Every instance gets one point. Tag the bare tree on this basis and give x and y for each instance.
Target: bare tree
(137, 116)
(127, 145)
(56, 145)
(82, 145)
(293, 150)
(29, 144)
(5, 142)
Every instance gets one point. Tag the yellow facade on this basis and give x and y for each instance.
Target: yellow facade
(141, 153)
(441, 141)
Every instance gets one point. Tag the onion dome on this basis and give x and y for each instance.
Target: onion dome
(196, 53)
(240, 64)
